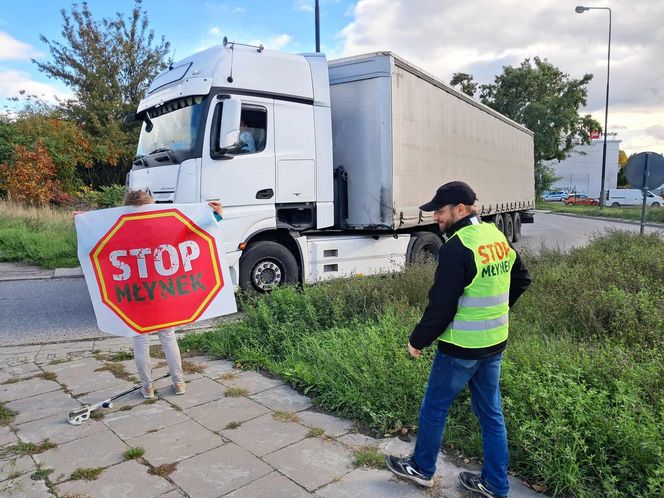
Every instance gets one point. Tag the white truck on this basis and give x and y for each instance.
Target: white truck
(321, 166)
(619, 197)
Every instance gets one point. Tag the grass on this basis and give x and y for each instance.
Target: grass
(134, 453)
(41, 474)
(235, 392)
(233, 425)
(284, 416)
(655, 214)
(48, 376)
(369, 457)
(21, 448)
(583, 376)
(38, 236)
(315, 432)
(87, 474)
(163, 470)
(118, 370)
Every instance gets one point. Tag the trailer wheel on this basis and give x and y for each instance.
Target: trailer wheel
(424, 247)
(509, 227)
(615, 205)
(266, 265)
(516, 234)
(499, 220)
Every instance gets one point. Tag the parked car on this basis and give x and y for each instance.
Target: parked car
(556, 195)
(580, 200)
(618, 197)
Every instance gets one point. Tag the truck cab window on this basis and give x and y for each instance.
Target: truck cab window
(253, 130)
(253, 127)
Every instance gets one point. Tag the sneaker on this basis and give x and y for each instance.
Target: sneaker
(147, 392)
(180, 388)
(473, 482)
(406, 469)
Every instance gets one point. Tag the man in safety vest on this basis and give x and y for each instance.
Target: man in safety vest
(479, 277)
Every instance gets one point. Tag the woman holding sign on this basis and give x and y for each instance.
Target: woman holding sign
(167, 337)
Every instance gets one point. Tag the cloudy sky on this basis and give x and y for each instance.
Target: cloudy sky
(440, 36)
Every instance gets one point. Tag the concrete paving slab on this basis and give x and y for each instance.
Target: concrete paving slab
(19, 366)
(112, 344)
(199, 391)
(7, 437)
(361, 483)
(252, 381)
(68, 272)
(143, 419)
(24, 487)
(131, 399)
(56, 429)
(176, 493)
(123, 480)
(42, 406)
(355, 440)
(102, 449)
(282, 398)
(333, 426)
(215, 368)
(19, 350)
(26, 389)
(95, 381)
(13, 467)
(218, 471)
(216, 415)
(18, 271)
(264, 435)
(76, 366)
(312, 463)
(273, 485)
(176, 442)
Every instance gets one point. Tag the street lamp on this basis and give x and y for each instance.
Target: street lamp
(580, 10)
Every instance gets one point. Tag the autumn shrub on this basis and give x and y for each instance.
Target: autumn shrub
(30, 179)
(106, 197)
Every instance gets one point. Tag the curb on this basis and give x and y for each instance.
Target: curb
(649, 224)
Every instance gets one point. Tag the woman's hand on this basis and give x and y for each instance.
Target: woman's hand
(216, 206)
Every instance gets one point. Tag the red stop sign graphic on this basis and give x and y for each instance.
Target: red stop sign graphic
(156, 269)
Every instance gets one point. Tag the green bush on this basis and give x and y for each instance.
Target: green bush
(583, 377)
(106, 197)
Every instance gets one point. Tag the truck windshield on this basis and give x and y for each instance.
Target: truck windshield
(171, 126)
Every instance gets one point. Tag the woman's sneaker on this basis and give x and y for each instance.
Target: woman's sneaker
(473, 482)
(180, 388)
(147, 392)
(406, 469)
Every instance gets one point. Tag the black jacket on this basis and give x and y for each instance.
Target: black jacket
(456, 269)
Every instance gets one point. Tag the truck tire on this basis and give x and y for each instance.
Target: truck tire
(509, 227)
(423, 247)
(499, 220)
(615, 205)
(266, 265)
(516, 219)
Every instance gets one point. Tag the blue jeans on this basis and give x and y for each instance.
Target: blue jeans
(448, 376)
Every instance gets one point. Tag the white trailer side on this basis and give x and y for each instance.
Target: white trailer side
(399, 134)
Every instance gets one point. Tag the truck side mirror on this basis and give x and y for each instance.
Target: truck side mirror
(229, 131)
(129, 121)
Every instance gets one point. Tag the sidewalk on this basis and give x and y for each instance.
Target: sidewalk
(20, 271)
(234, 433)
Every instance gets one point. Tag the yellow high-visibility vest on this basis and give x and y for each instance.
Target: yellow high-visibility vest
(482, 317)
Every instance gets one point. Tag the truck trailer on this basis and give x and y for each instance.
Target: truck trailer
(321, 166)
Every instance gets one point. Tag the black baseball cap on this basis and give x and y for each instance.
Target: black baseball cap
(451, 193)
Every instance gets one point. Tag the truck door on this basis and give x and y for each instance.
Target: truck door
(247, 177)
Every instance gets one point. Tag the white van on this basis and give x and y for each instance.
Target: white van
(617, 197)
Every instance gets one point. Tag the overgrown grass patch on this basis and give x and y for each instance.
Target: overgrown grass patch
(38, 236)
(133, 453)
(369, 457)
(583, 376)
(87, 474)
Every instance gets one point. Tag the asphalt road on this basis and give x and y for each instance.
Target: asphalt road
(60, 309)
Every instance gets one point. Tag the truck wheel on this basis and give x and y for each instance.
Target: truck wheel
(516, 235)
(266, 265)
(424, 247)
(615, 205)
(499, 220)
(509, 227)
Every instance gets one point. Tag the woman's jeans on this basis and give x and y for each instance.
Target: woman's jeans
(171, 350)
(448, 376)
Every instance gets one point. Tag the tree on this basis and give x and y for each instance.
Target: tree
(546, 101)
(108, 64)
(622, 162)
(465, 83)
(31, 178)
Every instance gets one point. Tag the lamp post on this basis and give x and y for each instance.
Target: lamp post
(580, 10)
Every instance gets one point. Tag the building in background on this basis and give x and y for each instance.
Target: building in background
(581, 172)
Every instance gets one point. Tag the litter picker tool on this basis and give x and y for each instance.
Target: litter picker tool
(80, 415)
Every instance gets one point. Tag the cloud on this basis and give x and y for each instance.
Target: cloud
(12, 49)
(304, 5)
(274, 43)
(13, 82)
(482, 36)
(656, 131)
(215, 31)
(239, 10)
